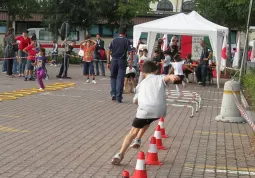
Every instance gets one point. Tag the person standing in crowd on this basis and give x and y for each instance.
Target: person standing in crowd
(118, 50)
(4, 66)
(24, 41)
(157, 60)
(10, 50)
(201, 70)
(54, 53)
(142, 60)
(135, 60)
(173, 48)
(99, 55)
(31, 54)
(166, 62)
(65, 59)
(88, 68)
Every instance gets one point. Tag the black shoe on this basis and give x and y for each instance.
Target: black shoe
(97, 74)
(25, 79)
(31, 79)
(113, 98)
(58, 76)
(119, 101)
(103, 75)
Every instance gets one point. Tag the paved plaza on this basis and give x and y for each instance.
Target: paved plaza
(73, 133)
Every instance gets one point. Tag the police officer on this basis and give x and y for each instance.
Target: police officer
(118, 49)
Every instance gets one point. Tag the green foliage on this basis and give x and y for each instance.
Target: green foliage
(230, 13)
(249, 84)
(19, 8)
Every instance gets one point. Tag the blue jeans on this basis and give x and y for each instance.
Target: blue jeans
(118, 70)
(15, 66)
(101, 66)
(22, 61)
(201, 73)
(4, 66)
(88, 68)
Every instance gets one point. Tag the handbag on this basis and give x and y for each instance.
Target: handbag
(81, 52)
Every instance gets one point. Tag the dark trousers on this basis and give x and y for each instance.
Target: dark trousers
(9, 66)
(101, 64)
(166, 70)
(64, 65)
(118, 70)
(201, 73)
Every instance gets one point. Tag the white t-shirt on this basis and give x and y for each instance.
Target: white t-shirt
(128, 70)
(151, 97)
(144, 58)
(177, 67)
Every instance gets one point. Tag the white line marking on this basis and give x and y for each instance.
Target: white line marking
(224, 171)
(211, 107)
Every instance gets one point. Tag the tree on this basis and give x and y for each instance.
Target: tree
(230, 13)
(18, 8)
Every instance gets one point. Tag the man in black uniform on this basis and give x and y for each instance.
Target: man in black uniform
(202, 68)
(118, 50)
(65, 59)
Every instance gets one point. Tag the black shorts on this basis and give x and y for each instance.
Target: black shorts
(179, 81)
(130, 75)
(141, 123)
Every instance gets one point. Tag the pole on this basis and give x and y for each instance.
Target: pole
(246, 41)
(65, 68)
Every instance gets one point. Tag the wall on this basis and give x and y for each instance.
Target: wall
(177, 5)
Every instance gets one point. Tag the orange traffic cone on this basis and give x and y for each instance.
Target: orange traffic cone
(162, 128)
(125, 174)
(140, 169)
(157, 135)
(152, 155)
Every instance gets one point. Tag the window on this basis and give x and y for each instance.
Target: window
(106, 32)
(2, 29)
(188, 6)
(165, 5)
(94, 30)
(74, 36)
(45, 35)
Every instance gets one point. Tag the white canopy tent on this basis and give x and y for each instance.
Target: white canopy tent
(182, 24)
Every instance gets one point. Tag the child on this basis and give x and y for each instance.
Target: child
(40, 63)
(31, 52)
(187, 68)
(166, 62)
(151, 99)
(88, 68)
(143, 59)
(177, 67)
(130, 74)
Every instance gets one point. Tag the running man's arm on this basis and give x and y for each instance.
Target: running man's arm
(171, 78)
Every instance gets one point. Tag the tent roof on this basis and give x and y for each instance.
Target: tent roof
(179, 24)
(200, 18)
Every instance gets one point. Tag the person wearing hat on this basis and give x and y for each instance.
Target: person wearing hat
(10, 50)
(24, 41)
(118, 50)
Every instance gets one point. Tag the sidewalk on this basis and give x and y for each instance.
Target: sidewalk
(74, 133)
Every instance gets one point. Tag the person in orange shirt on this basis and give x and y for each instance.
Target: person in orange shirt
(88, 47)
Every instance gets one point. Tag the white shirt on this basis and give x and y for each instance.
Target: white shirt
(177, 67)
(144, 58)
(128, 70)
(151, 97)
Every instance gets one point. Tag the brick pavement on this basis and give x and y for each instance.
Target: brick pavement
(73, 133)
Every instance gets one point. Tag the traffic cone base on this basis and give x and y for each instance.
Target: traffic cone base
(139, 174)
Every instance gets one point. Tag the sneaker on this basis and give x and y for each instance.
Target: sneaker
(41, 89)
(183, 84)
(51, 65)
(199, 83)
(87, 81)
(187, 80)
(93, 81)
(103, 75)
(117, 159)
(25, 79)
(4, 72)
(58, 76)
(55, 65)
(136, 143)
(113, 98)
